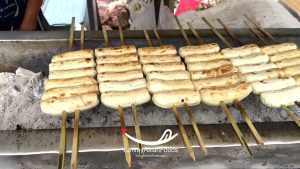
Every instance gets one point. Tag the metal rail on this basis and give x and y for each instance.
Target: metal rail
(130, 34)
(216, 135)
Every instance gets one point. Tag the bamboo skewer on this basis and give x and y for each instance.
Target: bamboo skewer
(124, 137)
(196, 129)
(262, 29)
(75, 141)
(133, 106)
(199, 39)
(183, 133)
(291, 114)
(77, 115)
(255, 33)
(217, 33)
(255, 133)
(121, 111)
(72, 34)
(182, 32)
(147, 37)
(62, 144)
(137, 128)
(157, 36)
(236, 128)
(149, 42)
(105, 36)
(188, 110)
(230, 32)
(82, 38)
(285, 108)
(241, 109)
(121, 32)
(174, 109)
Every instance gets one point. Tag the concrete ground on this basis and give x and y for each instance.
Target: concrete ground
(283, 156)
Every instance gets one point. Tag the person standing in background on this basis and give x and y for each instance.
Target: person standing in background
(19, 14)
(109, 10)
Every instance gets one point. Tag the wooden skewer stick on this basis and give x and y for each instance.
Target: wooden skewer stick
(291, 114)
(196, 129)
(75, 141)
(217, 33)
(72, 34)
(233, 35)
(121, 116)
(176, 114)
(137, 127)
(188, 110)
(120, 109)
(182, 31)
(157, 36)
(133, 106)
(82, 38)
(147, 37)
(249, 122)
(121, 32)
(237, 103)
(236, 128)
(285, 108)
(105, 36)
(183, 133)
(255, 33)
(124, 137)
(199, 39)
(241, 109)
(77, 115)
(261, 29)
(298, 104)
(62, 144)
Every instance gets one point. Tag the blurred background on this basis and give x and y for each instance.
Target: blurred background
(135, 13)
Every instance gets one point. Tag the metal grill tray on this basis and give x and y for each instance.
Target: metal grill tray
(33, 51)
